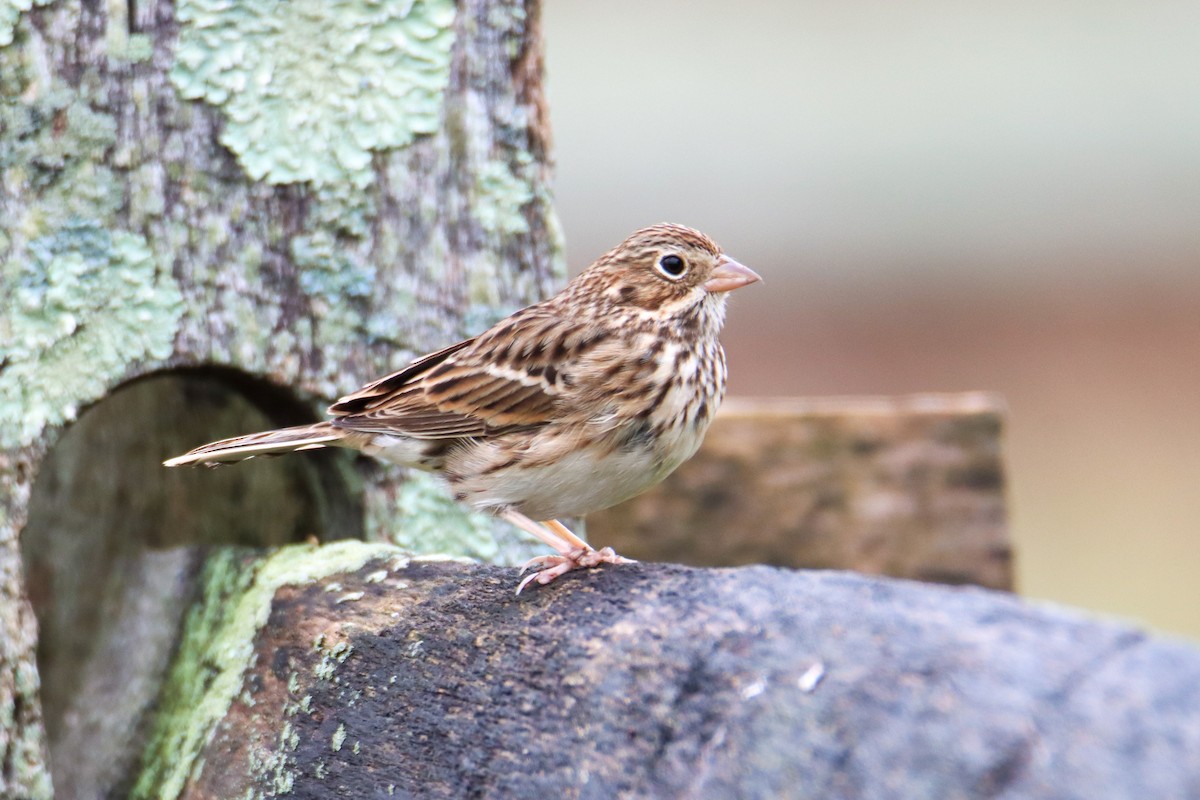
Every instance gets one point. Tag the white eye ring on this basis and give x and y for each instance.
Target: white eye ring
(671, 266)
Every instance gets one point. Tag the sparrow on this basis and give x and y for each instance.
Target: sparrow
(568, 406)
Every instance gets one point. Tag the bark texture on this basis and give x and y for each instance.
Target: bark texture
(911, 487)
(233, 198)
(421, 679)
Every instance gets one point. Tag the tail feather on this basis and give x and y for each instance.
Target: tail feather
(240, 448)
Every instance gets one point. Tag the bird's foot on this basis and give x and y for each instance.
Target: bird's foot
(554, 566)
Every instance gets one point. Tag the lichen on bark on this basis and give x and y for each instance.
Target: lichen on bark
(10, 14)
(310, 99)
(217, 647)
(84, 305)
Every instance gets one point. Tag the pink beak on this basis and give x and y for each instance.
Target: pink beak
(730, 275)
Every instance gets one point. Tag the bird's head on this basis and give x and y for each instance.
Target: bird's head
(666, 269)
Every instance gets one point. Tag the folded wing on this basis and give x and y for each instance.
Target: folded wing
(460, 391)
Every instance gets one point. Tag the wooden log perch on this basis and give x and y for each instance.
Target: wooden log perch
(911, 487)
(428, 679)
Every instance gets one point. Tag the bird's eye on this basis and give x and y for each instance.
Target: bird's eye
(672, 266)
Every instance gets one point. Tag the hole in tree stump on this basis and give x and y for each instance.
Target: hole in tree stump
(111, 551)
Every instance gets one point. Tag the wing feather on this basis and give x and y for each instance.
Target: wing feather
(470, 389)
(379, 391)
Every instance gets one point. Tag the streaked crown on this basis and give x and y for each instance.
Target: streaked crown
(654, 267)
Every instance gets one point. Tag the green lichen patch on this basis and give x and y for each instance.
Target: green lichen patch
(52, 147)
(10, 14)
(82, 307)
(25, 746)
(338, 285)
(134, 47)
(218, 646)
(333, 654)
(338, 738)
(423, 518)
(501, 197)
(311, 88)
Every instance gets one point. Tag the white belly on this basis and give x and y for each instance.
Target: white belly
(575, 485)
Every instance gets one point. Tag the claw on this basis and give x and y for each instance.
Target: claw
(525, 582)
(555, 566)
(548, 559)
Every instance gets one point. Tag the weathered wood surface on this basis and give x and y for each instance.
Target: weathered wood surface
(428, 679)
(260, 196)
(912, 487)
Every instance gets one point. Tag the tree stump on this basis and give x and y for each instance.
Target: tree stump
(203, 203)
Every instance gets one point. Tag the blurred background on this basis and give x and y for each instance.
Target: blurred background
(941, 196)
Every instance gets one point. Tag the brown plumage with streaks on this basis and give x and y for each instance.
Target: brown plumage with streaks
(568, 406)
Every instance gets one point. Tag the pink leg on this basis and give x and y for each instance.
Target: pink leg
(565, 532)
(562, 545)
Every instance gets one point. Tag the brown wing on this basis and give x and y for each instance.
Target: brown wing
(468, 389)
(378, 391)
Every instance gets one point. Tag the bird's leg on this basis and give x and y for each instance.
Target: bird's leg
(565, 533)
(573, 552)
(562, 545)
